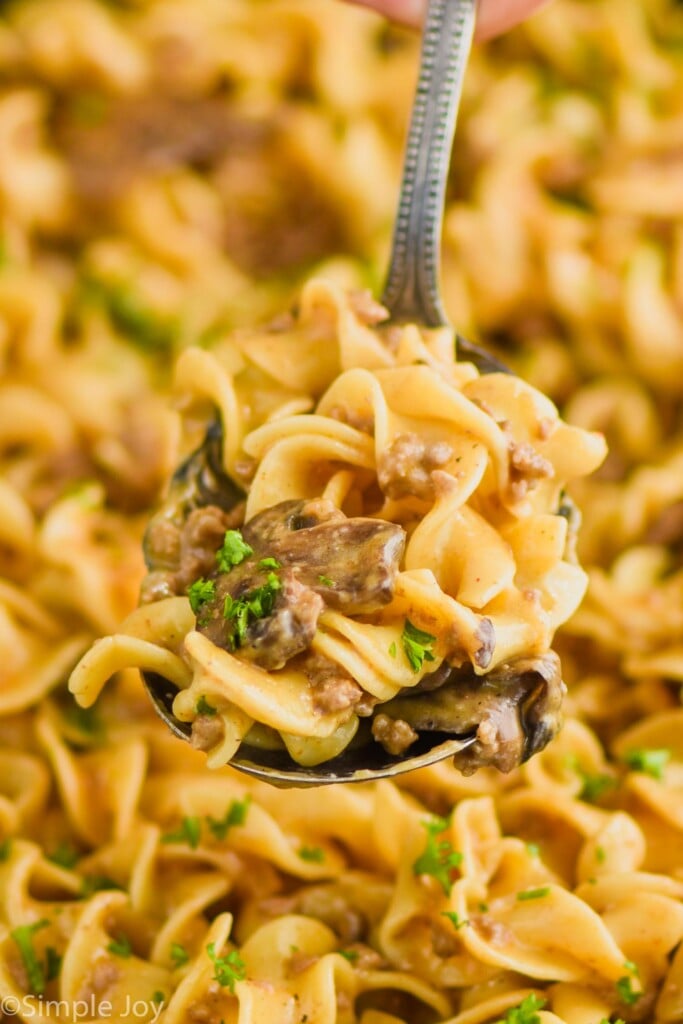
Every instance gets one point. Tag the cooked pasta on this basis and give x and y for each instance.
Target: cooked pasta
(173, 171)
(402, 533)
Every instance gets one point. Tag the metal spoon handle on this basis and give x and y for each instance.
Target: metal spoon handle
(412, 289)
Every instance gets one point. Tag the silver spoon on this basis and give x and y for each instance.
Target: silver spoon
(412, 294)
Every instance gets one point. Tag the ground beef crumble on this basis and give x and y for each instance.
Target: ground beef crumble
(406, 467)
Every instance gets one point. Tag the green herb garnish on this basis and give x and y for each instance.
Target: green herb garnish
(236, 814)
(269, 563)
(200, 592)
(23, 938)
(533, 849)
(624, 987)
(593, 786)
(120, 947)
(53, 963)
(97, 883)
(158, 997)
(439, 859)
(227, 969)
(534, 894)
(313, 854)
(233, 551)
(5, 849)
(179, 955)
(131, 316)
(189, 832)
(651, 761)
(65, 855)
(257, 604)
(203, 707)
(326, 581)
(349, 954)
(455, 919)
(525, 1013)
(600, 854)
(416, 644)
(393, 651)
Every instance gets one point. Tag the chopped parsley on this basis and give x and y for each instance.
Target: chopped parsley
(600, 854)
(313, 854)
(131, 316)
(96, 883)
(23, 938)
(200, 592)
(618, 1021)
(651, 761)
(525, 1013)
(393, 650)
(120, 947)
(227, 969)
(189, 832)
(236, 814)
(5, 849)
(158, 997)
(233, 551)
(533, 849)
(534, 894)
(455, 919)
(483, 908)
(65, 855)
(53, 963)
(349, 954)
(439, 859)
(326, 581)
(624, 987)
(203, 707)
(593, 786)
(179, 955)
(416, 644)
(257, 604)
(269, 563)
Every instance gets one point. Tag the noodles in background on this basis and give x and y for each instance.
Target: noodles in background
(172, 170)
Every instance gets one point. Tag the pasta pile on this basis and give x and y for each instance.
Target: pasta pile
(367, 439)
(174, 170)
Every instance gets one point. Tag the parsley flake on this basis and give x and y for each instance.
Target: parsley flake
(534, 894)
(233, 551)
(593, 786)
(533, 849)
(312, 854)
(415, 644)
(23, 938)
(236, 814)
(53, 963)
(455, 919)
(200, 592)
(439, 859)
(189, 832)
(526, 1012)
(650, 761)
(326, 581)
(624, 987)
(349, 954)
(600, 854)
(393, 650)
(179, 955)
(5, 849)
(203, 707)
(269, 563)
(97, 883)
(120, 947)
(65, 855)
(227, 969)
(257, 604)
(158, 997)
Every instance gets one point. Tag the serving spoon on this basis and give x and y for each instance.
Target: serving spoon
(411, 295)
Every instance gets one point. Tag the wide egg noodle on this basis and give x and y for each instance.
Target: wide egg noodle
(561, 246)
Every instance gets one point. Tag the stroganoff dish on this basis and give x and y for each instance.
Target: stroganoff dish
(147, 147)
(400, 560)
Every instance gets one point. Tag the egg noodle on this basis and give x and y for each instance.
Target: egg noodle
(173, 171)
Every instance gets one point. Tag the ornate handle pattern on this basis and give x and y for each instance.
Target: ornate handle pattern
(412, 290)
